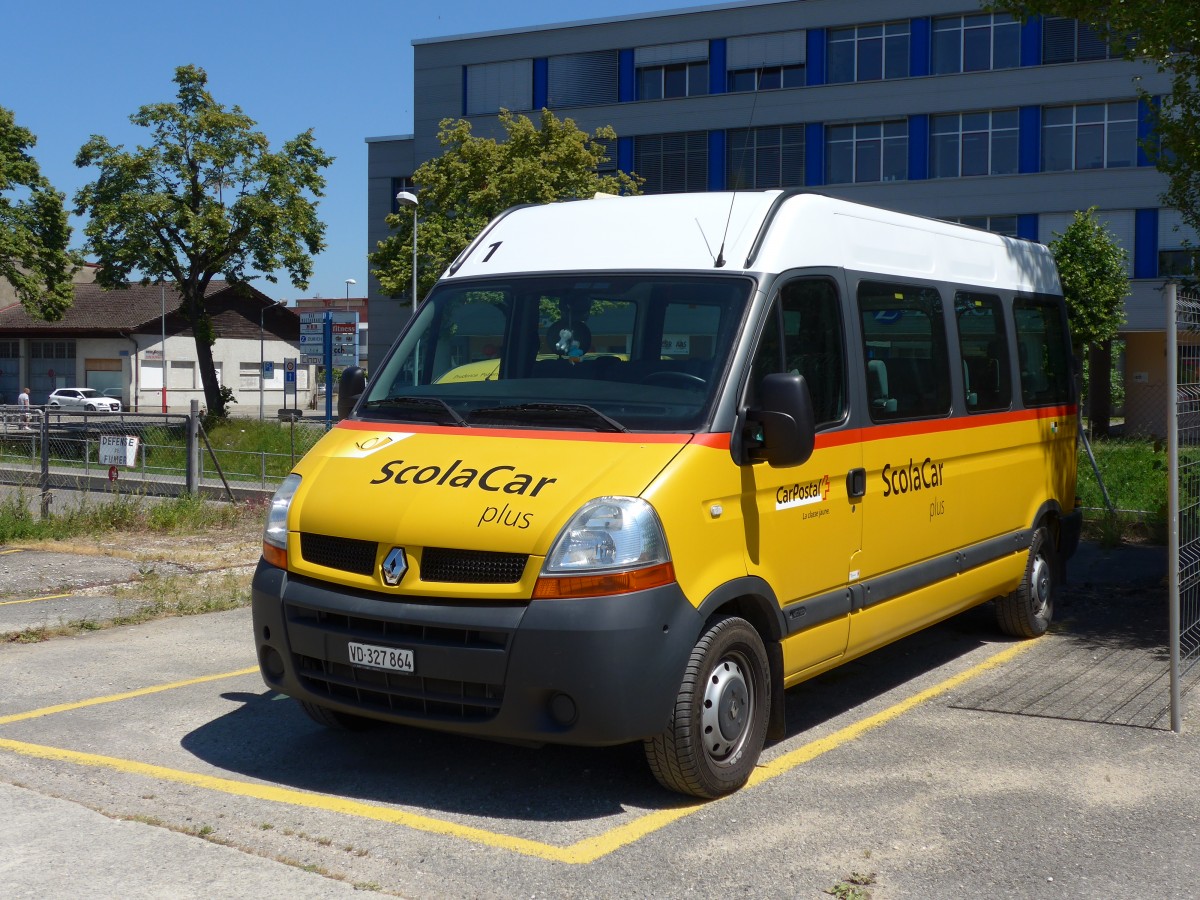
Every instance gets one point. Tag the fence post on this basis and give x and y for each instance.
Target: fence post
(1173, 501)
(193, 448)
(44, 478)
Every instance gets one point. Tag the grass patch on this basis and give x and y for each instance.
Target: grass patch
(122, 512)
(853, 888)
(1135, 474)
(154, 597)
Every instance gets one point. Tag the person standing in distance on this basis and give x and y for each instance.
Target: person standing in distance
(23, 405)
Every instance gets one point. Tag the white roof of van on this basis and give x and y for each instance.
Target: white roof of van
(686, 232)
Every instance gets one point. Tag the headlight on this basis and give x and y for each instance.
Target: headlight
(275, 532)
(612, 545)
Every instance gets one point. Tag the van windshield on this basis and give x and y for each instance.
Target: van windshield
(591, 352)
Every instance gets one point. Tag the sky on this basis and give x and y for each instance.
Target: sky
(73, 68)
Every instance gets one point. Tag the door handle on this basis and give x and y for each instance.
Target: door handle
(856, 483)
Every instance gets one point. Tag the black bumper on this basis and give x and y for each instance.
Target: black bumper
(1069, 528)
(597, 671)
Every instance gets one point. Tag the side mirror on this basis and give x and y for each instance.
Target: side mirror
(781, 429)
(350, 388)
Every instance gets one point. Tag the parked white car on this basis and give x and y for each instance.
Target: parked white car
(87, 399)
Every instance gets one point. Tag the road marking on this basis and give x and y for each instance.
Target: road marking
(581, 852)
(34, 599)
(6, 552)
(128, 695)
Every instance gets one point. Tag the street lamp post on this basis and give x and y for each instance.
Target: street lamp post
(408, 200)
(162, 293)
(262, 379)
(349, 281)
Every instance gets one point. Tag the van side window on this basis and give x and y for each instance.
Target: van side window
(904, 348)
(1042, 352)
(804, 336)
(984, 346)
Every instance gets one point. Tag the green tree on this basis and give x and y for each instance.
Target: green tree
(477, 178)
(205, 198)
(1091, 267)
(34, 231)
(1167, 34)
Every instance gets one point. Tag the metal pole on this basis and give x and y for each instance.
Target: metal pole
(1173, 501)
(328, 348)
(417, 349)
(262, 382)
(162, 291)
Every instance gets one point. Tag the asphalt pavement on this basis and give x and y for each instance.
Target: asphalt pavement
(150, 761)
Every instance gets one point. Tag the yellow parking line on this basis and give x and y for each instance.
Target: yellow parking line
(585, 851)
(6, 552)
(33, 599)
(113, 698)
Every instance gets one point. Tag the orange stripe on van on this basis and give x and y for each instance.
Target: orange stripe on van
(527, 433)
(720, 440)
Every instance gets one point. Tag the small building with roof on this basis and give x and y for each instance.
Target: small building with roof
(122, 341)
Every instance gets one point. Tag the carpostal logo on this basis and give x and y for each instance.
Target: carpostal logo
(502, 478)
(792, 495)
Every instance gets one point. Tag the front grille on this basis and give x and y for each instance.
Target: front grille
(416, 695)
(347, 554)
(399, 694)
(472, 566)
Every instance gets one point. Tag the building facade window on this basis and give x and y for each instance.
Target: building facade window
(1178, 248)
(979, 143)
(1006, 225)
(975, 43)
(767, 78)
(767, 157)
(494, 86)
(582, 79)
(1092, 136)
(867, 151)
(672, 163)
(868, 52)
(675, 80)
(765, 62)
(1067, 40)
(398, 185)
(1119, 223)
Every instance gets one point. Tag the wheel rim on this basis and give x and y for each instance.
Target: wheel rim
(1042, 582)
(727, 709)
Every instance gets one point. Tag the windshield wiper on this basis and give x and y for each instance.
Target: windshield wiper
(430, 405)
(533, 413)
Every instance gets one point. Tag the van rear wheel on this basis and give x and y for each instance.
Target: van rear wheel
(1027, 611)
(719, 723)
(335, 719)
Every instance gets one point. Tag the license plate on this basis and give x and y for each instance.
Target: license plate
(393, 659)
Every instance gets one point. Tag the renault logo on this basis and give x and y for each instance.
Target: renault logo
(393, 567)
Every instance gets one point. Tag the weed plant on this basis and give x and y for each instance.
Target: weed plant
(1135, 474)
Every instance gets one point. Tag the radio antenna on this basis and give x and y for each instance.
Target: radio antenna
(720, 260)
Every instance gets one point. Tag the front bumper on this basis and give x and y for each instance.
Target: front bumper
(596, 671)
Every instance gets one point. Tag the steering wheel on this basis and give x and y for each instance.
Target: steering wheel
(680, 379)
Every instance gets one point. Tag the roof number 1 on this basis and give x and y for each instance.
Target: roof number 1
(492, 248)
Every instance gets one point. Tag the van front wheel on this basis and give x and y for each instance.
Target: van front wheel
(1027, 611)
(719, 723)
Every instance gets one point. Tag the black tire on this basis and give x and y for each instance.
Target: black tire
(91, 407)
(1027, 611)
(719, 724)
(332, 718)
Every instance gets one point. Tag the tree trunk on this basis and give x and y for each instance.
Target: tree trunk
(213, 400)
(201, 324)
(1100, 387)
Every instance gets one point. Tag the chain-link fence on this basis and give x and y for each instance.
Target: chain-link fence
(44, 449)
